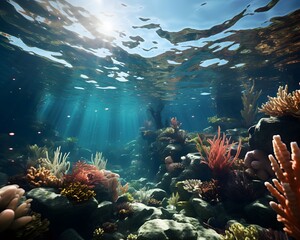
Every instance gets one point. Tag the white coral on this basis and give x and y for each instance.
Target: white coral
(59, 165)
(99, 161)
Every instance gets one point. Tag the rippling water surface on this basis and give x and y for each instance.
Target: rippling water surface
(92, 67)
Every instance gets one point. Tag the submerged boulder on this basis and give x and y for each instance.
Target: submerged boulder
(261, 134)
(164, 229)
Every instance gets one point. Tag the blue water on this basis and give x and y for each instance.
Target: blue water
(91, 69)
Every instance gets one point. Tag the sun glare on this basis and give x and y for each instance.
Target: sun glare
(106, 27)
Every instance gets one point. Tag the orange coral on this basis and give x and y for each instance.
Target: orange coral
(286, 187)
(42, 177)
(284, 104)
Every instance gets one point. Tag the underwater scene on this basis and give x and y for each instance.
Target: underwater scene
(149, 120)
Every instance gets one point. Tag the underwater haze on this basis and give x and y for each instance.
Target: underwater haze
(90, 69)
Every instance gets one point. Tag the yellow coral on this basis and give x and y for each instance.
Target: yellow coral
(132, 237)
(237, 231)
(78, 192)
(285, 104)
(98, 234)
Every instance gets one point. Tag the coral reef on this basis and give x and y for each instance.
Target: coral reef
(286, 187)
(78, 192)
(285, 104)
(13, 211)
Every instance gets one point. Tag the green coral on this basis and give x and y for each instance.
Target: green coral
(237, 231)
(78, 192)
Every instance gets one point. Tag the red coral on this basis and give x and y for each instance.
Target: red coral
(86, 174)
(218, 156)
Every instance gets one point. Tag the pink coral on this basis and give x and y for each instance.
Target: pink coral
(13, 215)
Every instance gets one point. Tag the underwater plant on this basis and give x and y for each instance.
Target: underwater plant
(36, 152)
(218, 156)
(78, 192)
(249, 100)
(143, 195)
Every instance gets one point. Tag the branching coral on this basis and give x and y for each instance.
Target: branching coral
(218, 156)
(284, 104)
(78, 192)
(13, 212)
(286, 187)
(42, 177)
(59, 165)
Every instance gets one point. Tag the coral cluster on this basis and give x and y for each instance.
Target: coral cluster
(237, 231)
(78, 192)
(42, 177)
(284, 104)
(13, 212)
(207, 190)
(286, 187)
